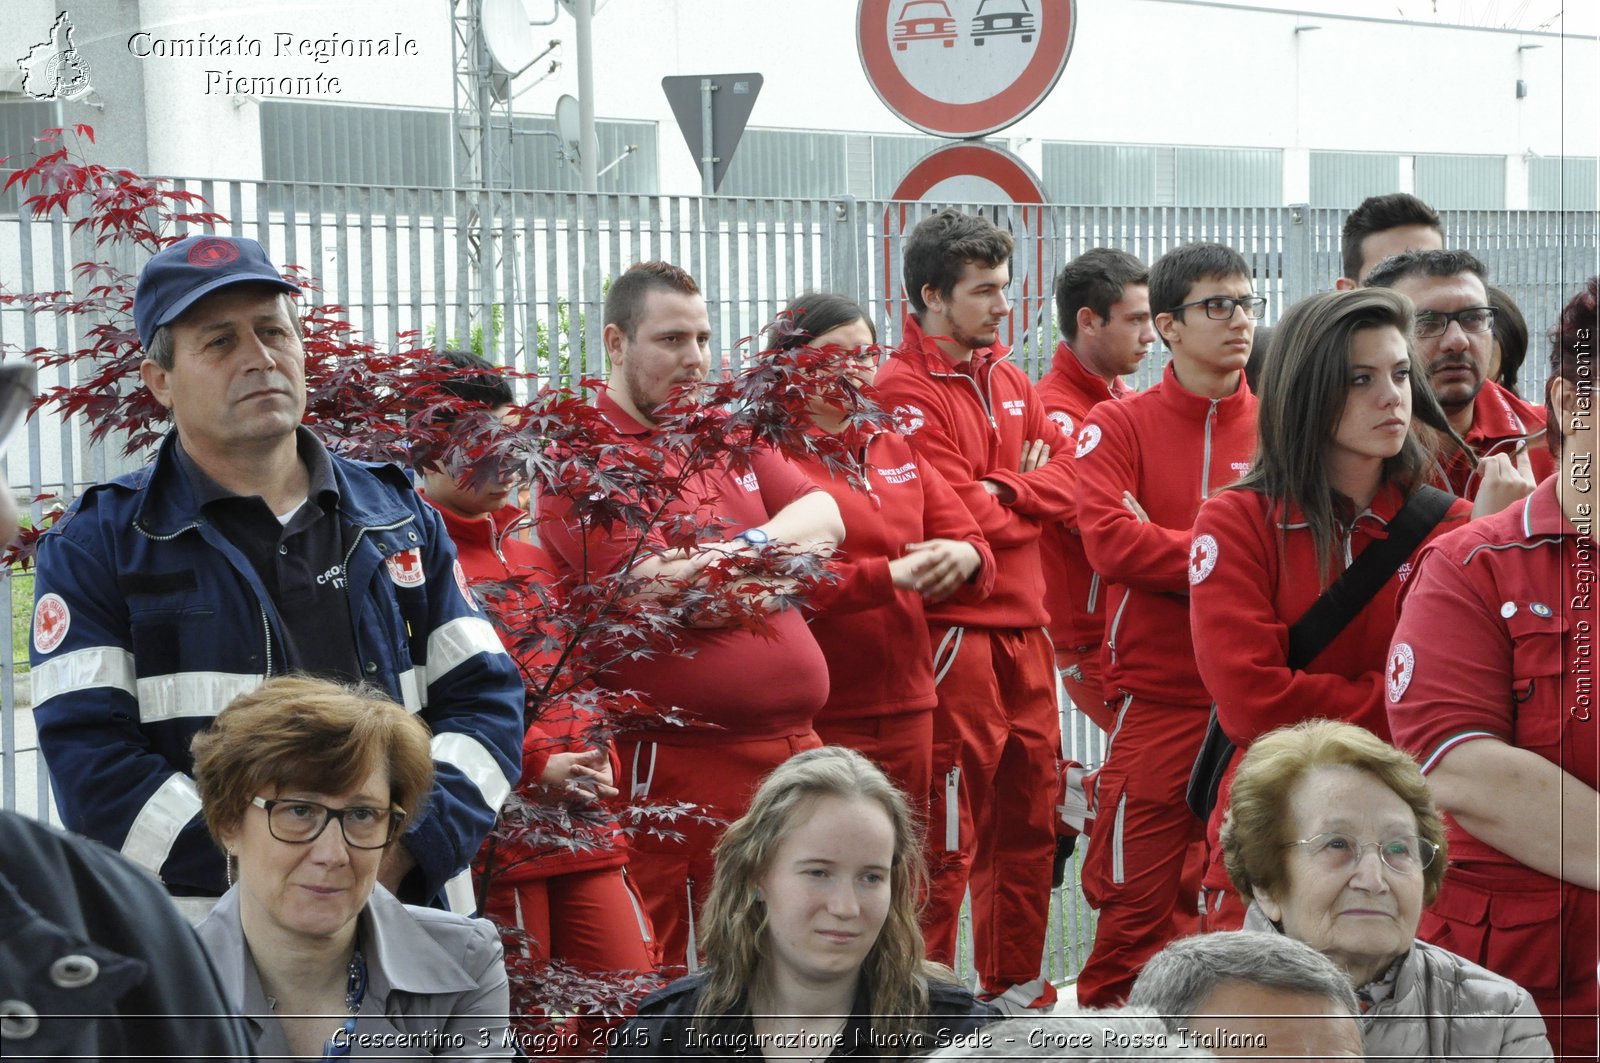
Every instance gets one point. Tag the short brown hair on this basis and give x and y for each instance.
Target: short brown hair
(1256, 828)
(626, 297)
(296, 731)
(939, 248)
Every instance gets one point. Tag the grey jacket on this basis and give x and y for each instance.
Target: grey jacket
(436, 983)
(1446, 1007)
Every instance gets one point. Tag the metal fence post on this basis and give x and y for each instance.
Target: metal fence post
(845, 243)
(1297, 272)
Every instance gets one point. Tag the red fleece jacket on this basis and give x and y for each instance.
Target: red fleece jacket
(874, 636)
(489, 550)
(1073, 594)
(1251, 586)
(1172, 449)
(970, 421)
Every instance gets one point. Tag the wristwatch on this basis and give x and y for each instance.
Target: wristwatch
(756, 537)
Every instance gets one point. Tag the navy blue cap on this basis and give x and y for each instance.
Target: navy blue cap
(178, 276)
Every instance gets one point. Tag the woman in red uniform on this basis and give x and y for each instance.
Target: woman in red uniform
(571, 893)
(1491, 684)
(908, 538)
(1337, 459)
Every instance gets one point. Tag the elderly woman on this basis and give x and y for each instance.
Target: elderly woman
(322, 961)
(1333, 836)
(810, 933)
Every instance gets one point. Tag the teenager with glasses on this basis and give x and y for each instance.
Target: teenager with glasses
(1338, 461)
(304, 784)
(1333, 835)
(1144, 466)
(909, 541)
(1491, 685)
(1455, 339)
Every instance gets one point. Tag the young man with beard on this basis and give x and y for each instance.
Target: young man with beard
(1144, 466)
(1103, 310)
(750, 697)
(1454, 336)
(976, 417)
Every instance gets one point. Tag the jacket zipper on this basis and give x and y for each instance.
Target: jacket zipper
(1116, 622)
(1205, 468)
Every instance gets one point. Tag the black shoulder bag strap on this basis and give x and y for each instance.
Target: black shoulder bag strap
(1321, 624)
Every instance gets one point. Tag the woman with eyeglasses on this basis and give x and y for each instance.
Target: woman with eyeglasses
(304, 783)
(1337, 463)
(908, 539)
(1491, 685)
(1333, 836)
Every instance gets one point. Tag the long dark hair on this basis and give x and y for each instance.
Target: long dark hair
(811, 314)
(1303, 390)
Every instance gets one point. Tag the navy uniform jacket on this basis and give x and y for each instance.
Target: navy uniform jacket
(147, 622)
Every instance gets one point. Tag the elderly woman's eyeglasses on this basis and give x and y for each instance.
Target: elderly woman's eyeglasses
(1406, 855)
(302, 822)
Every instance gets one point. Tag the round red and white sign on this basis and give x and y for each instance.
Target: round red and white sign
(1088, 439)
(1202, 558)
(964, 68)
(51, 619)
(908, 419)
(1012, 197)
(1401, 663)
(1063, 421)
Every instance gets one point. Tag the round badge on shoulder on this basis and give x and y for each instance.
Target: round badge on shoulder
(1541, 610)
(1508, 610)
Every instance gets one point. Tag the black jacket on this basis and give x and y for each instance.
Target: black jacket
(96, 963)
(666, 1027)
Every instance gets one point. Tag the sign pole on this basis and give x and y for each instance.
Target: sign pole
(708, 156)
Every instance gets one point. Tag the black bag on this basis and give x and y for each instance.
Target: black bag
(1321, 624)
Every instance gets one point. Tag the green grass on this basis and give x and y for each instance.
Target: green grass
(21, 616)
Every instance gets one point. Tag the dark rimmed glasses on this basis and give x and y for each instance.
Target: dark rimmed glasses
(1404, 855)
(1220, 307)
(300, 822)
(1431, 323)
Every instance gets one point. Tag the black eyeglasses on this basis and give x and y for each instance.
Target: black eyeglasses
(1220, 307)
(302, 822)
(1431, 323)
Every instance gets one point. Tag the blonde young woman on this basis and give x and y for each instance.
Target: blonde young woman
(811, 944)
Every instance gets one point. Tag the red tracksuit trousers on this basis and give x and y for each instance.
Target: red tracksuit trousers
(674, 874)
(1147, 850)
(996, 738)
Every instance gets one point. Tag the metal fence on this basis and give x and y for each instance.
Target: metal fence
(526, 272)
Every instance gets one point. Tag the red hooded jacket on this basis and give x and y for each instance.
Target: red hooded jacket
(1172, 449)
(970, 421)
(875, 637)
(489, 550)
(1072, 592)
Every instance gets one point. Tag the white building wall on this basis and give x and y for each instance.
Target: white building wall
(1142, 71)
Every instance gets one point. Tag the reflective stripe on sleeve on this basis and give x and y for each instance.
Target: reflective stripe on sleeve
(457, 642)
(414, 689)
(160, 821)
(473, 760)
(191, 694)
(86, 669)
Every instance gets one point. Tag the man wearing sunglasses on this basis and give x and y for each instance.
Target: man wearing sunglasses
(246, 550)
(1454, 336)
(1144, 466)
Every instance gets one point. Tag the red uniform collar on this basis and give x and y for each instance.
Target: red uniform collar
(1498, 415)
(489, 530)
(1540, 514)
(914, 339)
(1180, 398)
(1066, 362)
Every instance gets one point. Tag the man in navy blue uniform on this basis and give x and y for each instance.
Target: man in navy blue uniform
(246, 550)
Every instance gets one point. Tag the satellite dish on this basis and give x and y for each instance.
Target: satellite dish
(510, 41)
(567, 128)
